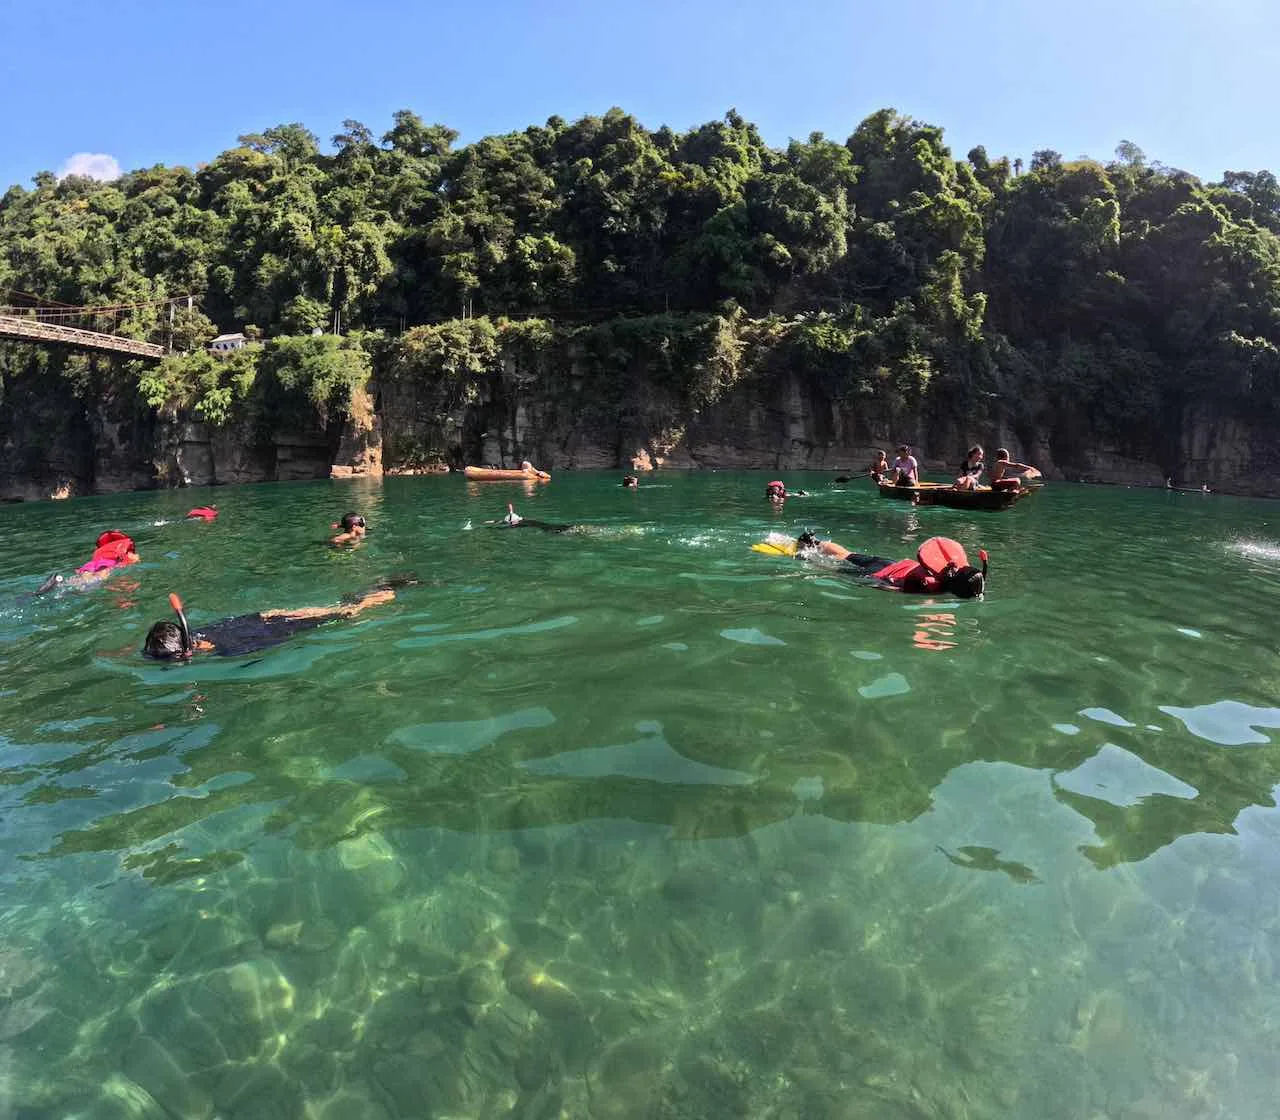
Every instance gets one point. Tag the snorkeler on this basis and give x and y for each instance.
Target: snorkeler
(249, 633)
(514, 521)
(940, 565)
(202, 513)
(353, 529)
(776, 490)
(114, 550)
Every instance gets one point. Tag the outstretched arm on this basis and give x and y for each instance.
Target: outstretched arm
(347, 610)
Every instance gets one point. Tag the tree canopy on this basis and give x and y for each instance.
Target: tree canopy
(1119, 291)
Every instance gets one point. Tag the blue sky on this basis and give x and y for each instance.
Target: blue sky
(174, 81)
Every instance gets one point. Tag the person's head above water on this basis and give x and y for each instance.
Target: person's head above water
(630, 481)
(169, 641)
(164, 642)
(775, 489)
(807, 539)
(965, 583)
(353, 523)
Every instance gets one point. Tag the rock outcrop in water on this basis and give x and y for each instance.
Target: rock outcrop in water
(668, 392)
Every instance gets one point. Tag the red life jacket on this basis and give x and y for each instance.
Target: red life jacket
(924, 575)
(205, 513)
(113, 550)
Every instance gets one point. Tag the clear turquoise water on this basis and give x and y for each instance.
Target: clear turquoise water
(635, 822)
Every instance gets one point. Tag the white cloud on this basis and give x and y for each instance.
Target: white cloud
(92, 165)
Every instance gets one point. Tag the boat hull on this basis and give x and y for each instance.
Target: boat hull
(940, 494)
(488, 474)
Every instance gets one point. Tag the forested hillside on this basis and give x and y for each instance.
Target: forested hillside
(600, 283)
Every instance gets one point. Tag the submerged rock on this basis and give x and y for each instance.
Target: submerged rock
(148, 1064)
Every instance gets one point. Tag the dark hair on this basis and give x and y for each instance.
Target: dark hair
(164, 641)
(904, 447)
(976, 449)
(350, 521)
(1002, 453)
(966, 583)
(807, 539)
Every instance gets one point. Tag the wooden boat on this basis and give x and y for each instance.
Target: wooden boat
(491, 474)
(944, 494)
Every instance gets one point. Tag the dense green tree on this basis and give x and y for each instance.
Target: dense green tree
(1083, 297)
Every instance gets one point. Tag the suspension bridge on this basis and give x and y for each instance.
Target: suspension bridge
(93, 328)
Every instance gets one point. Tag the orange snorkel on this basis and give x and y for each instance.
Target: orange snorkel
(176, 604)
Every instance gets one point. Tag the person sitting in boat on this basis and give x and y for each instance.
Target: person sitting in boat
(250, 633)
(940, 565)
(1005, 472)
(970, 470)
(353, 529)
(879, 467)
(906, 471)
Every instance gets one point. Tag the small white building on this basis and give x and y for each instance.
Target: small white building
(225, 343)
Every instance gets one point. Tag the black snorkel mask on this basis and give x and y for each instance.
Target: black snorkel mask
(188, 647)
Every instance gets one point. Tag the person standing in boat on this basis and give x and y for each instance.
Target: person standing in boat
(970, 470)
(906, 471)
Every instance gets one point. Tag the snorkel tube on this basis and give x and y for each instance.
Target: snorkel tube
(187, 646)
(982, 555)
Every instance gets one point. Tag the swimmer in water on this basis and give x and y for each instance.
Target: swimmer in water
(514, 521)
(249, 633)
(940, 565)
(114, 550)
(630, 482)
(353, 530)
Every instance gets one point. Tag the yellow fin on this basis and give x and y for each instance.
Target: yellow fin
(775, 547)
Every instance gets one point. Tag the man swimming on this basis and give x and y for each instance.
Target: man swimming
(249, 633)
(114, 550)
(940, 565)
(353, 529)
(514, 521)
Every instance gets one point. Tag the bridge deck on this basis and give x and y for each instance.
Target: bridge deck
(33, 330)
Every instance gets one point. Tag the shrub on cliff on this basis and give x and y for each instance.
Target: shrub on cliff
(328, 370)
(208, 386)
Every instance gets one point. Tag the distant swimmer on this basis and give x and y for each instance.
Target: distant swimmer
(114, 550)
(202, 513)
(250, 633)
(353, 529)
(941, 565)
(514, 521)
(630, 482)
(776, 490)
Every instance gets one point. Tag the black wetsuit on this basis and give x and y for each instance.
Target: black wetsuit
(249, 633)
(866, 565)
(530, 523)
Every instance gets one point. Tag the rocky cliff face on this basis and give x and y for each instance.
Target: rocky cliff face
(58, 439)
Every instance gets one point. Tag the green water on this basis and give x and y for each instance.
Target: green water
(635, 822)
